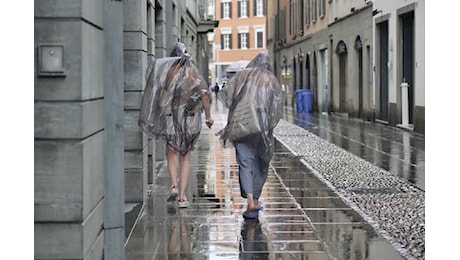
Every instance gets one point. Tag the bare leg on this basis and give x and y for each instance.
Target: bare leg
(250, 199)
(185, 250)
(184, 174)
(173, 164)
(173, 245)
(255, 202)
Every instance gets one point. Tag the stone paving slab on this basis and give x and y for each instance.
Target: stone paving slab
(303, 218)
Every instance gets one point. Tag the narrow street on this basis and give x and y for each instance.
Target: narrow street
(306, 214)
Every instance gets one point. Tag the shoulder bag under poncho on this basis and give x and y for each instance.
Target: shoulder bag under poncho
(255, 100)
(171, 105)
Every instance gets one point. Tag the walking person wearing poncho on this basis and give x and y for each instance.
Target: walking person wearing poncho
(174, 97)
(254, 98)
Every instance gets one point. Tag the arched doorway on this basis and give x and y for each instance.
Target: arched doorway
(307, 72)
(295, 74)
(383, 69)
(408, 60)
(321, 78)
(307, 80)
(301, 86)
(359, 50)
(342, 52)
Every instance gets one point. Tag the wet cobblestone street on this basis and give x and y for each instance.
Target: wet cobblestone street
(320, 201)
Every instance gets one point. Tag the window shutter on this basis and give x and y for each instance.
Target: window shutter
(230, 7)
(260, 40)
(221, 41)
(248, 41)
(230, 38)
(239, 40)
(239, 8)
(255, 7)
(264, 7)
(221, 10)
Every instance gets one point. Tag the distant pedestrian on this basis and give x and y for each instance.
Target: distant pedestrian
(171, 110)
(254, 98)
(216, 89)
(223, 85)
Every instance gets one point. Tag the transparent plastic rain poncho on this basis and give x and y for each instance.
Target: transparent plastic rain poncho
(255, 100)
(171, 105)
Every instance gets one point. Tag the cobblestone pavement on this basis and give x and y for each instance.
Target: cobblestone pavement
(395, 150)
(320, 202)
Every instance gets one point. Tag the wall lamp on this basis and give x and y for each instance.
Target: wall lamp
(300, 55)
(375, 12)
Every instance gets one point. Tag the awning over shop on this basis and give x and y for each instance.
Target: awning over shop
(236, 66)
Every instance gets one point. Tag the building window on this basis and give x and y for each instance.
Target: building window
(322, 8)
(226, 8)
(243, 8)
(226, 38)
(226, 41)
(260, 40)
(292, 18)
(259, 7)
(314, 13)
(307, 12)
(301, 15)
(243, 41)
(243, 37)
(260, 32)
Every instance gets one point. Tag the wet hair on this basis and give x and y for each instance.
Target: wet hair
(178, 50)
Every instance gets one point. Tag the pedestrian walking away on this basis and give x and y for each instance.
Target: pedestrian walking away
(174, 96)
(254, 98)
(216, 88)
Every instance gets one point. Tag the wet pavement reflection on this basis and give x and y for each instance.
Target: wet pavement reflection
(301, 217)
(396, 150)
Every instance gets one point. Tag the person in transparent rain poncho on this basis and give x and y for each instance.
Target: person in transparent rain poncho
(173, 99)
(254, 97)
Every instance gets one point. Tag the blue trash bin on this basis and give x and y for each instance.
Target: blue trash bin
(307, 100)
(299, 100)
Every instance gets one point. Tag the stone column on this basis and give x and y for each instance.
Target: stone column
(160, 52)
(114, 217)
(135, 65)
(69, 130)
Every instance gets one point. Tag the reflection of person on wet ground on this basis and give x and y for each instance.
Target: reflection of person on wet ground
(179, 246)
(254, 242)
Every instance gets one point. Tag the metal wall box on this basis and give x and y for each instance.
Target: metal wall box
(51, 60)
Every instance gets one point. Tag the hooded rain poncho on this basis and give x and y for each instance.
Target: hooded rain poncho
(171, 105)
(255, 100)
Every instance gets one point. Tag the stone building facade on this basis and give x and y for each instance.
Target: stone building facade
(399, 55)
(353, 56)
(91, 160)
(240, 35)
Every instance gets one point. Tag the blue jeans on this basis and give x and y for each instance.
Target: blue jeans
(253, 170)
